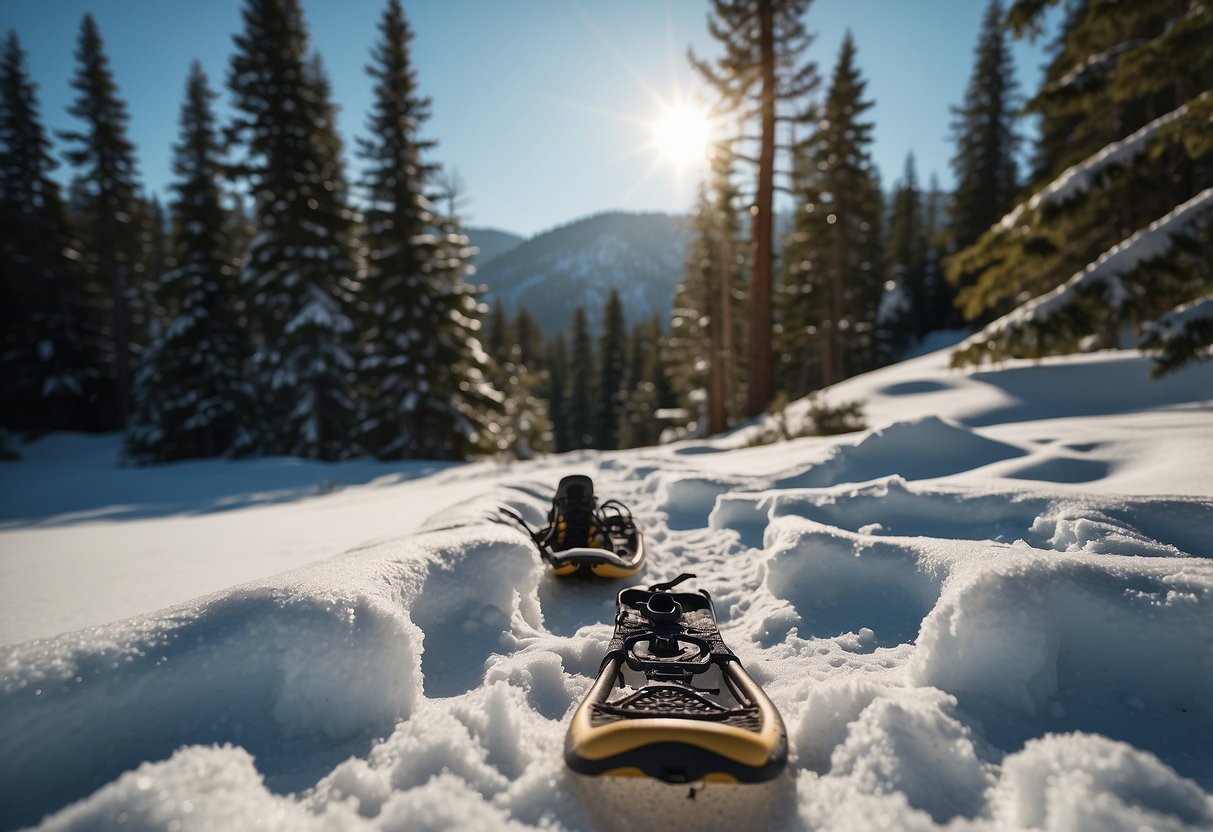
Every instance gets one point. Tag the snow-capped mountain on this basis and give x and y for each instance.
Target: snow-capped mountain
(577, 264)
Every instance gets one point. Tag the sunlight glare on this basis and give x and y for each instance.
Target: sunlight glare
(680, 134)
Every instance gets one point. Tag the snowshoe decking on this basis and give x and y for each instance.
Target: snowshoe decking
(672, 702)
(585, 538)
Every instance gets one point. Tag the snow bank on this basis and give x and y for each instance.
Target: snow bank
(322, 657)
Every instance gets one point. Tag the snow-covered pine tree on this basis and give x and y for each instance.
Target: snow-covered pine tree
(987, 141)
(106, 197)
(834, 254)
(760, 74)
(581, 386)
(45, 379)
(1119, 241)
(612, 358)
(198, 401)
(901, 314)
(422, 368)
(299, 275)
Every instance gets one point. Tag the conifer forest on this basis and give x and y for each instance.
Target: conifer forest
(276, 304)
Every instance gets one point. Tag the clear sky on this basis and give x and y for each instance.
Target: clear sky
(543, 107)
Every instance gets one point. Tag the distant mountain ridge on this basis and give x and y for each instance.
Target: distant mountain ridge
(578, 263)
(492, 242)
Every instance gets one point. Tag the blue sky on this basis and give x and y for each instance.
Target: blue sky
(542, 106)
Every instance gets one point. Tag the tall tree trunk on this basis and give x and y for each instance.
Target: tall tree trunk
(760, 385)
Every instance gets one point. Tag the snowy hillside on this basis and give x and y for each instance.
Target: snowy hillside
(578, 264)
(993, 610)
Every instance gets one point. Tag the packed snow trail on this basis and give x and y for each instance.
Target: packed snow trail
(948, 641)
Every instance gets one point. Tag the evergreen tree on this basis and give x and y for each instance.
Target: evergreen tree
(986, 140)
(422, 366)
(557, 393)
(44, 377)
(190, 395)
(759, 71)
(497, 332)
(707, 323)
(645, 389)
(581, 384)
(529, 339)
(939, 298)
(298, 271)
(833, 256)
(1117, 243)
(902, 314)
(107, 191)
(612, 358)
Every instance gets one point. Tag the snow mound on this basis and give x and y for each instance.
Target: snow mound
(1079, 781)
(920, 449)
(306, 665)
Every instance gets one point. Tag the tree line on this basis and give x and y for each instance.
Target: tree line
(296, 325)
(259, 312)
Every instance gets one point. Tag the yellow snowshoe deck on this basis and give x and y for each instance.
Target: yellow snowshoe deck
(672, 702)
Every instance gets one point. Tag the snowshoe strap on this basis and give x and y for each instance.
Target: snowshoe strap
(668, 585)
(536, 537)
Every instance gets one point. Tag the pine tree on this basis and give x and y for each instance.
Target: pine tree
(645, 388)
(759, 72)
(707, 322)
(298, 272)
(190, 395)
(1117, 243)
(987, 140)
(581, 385)
(557, 393)
(939, 298)
(107, 188)
(44, 377)
(833, 256)
(902, 314)
(612, 357)
(529, 339)
(422, 369)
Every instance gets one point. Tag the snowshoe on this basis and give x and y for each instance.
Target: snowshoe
(672, 702)
(585, 538)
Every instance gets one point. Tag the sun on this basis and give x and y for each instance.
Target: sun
(681, 133)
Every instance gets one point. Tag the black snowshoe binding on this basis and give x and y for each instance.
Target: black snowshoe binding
(585, 538)
(672, 702)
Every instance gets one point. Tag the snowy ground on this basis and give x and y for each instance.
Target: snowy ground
(994, 610)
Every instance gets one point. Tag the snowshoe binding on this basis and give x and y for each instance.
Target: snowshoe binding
(672, 702)
(585, 538)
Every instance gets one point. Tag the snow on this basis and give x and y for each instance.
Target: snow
(990, 610)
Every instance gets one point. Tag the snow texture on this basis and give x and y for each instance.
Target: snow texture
(991, 611)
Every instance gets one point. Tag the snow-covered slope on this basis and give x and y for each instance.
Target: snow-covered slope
(994, 610)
